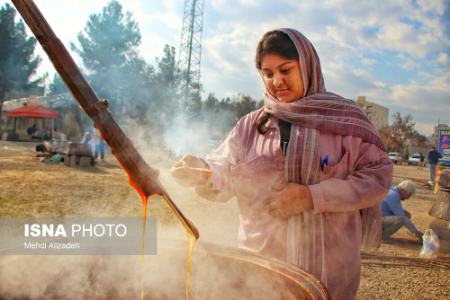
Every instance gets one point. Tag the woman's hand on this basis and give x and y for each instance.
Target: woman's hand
(293, 199)
(191, 171)
(194, 172)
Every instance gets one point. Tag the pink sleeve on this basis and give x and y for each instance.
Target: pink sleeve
(361, 179)
(222, 159)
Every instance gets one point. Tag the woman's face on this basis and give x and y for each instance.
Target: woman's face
(282, 77)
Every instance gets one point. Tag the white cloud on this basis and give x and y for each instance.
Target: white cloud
(152, 45)
(368, 62)
(409, 64)
(228, 62)
(170, 19)
(249, 2)
(443, 58)
(427, 99)
(435, 6)
(380, 84)
(395, 25)
(360, 72)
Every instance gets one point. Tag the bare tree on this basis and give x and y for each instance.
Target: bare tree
(419, 140)
(397, 135)
(387, 136)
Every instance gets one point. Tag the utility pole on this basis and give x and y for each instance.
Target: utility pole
(191, 47)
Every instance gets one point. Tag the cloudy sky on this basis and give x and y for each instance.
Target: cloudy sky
(396, 53)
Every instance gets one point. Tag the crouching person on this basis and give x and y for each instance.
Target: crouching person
(394, 216)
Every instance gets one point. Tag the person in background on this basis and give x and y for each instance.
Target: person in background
(394, 216)
(99, 145)
(87, 144)
(308, 170)
(421, 161)
(87, 136)
(31, 130)
(433, 160)
(48, 134)
(60, 136)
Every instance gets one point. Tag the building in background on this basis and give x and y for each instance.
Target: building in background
(438, 128)
(376, 113)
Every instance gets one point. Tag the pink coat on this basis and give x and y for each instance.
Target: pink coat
(250, 166)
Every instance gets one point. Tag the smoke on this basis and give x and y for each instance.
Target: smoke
(179, 132)
(217, 222)
(216, 274)
(184, 136)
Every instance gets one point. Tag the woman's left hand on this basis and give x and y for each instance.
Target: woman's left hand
(293, 199)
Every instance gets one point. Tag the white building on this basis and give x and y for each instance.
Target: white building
(376, 113)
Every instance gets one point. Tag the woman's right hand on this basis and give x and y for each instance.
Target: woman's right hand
(192, 171)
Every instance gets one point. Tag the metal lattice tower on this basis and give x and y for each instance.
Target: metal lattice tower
(191, 46)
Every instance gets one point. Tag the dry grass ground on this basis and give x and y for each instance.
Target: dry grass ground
(29, 187)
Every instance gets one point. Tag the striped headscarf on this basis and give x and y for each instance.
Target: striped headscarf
(318, 108)
(318, 111)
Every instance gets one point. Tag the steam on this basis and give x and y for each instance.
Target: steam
(62, 277)
(184, 133)
(121, 277)
(187, 137)
(217, 222)
(198, 135)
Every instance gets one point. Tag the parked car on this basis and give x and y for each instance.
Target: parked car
(414, 160)
(395, 157)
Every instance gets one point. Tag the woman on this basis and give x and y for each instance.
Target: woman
(308, 169)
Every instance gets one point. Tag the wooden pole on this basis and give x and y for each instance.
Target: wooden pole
(143, 176)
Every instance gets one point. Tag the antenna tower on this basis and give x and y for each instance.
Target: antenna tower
(191, 46)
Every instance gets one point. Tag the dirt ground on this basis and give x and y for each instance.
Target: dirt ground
(29, 187)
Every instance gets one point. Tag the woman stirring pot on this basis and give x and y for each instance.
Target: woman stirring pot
(308, 169)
